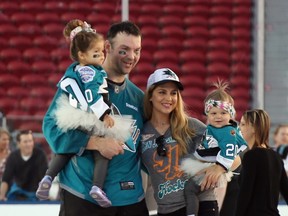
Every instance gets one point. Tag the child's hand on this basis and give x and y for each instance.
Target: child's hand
(108, 121)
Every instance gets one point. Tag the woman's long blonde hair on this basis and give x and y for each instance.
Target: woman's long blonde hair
(260, 121)
(181, 131)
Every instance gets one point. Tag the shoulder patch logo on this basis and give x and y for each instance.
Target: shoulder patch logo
(86, 74)
(232, 132)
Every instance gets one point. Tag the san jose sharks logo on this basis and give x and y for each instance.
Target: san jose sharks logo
(130, 144)
(169, 74)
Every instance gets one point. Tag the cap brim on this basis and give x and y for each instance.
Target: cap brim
(179, 85)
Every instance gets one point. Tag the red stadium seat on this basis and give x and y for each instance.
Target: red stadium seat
(7, 104)
(8, 30)
(20, 42)
(43, 66)
(151, 9)
(195, 43)
(194, 68)
(33, 80)
(107, 7)
(173, 31)
(242, 21)
(81, 6)
(220, 56)
(224, 10)
(63, 65)
(47, 42)
(54, 78)
(60, 54)
(146, 56)
(56, 6)
(172, 44)
(220, 32)
(191, 80)
(43, 92)
(220, 21)
(54, 29)
(17, 92)
(241, 68)
(22, 17)
(35, 126)
(149, 44)
(192, 55)
(219, 44)
(197, 31)
(196, 20)
(97, 18)
(240, 81)
(219, 69)
(241, 33)
(9, 7)
(144, 68)
(175, 9)
(168, 64)
(18, 67)
(200, 9)
(69, 15)
(47, 17)
(241, 57)
(166, 55)
(244, 10)
(167, 20)
(7, 80)
(35, 54)
(147, 20)
(241, 44)
(31, 6)
(10, 54)
(150, 32)
(30, 29)
(32, 104)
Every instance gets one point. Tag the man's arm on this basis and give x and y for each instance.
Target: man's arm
(3, 191)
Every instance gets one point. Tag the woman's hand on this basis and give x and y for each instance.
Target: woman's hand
(108, 147)
(212, 174)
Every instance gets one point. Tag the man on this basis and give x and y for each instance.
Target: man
(123, 183)
(24, 169)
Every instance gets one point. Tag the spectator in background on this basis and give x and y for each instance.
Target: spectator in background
(281, 143)
(262, 175)
(4, 149)
(24, 169)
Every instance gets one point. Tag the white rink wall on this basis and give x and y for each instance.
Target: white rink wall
(53, 209)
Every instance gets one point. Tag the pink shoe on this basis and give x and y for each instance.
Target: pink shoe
(43, 189)
(100, 197)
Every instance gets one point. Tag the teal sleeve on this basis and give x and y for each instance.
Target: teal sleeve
(72, 141)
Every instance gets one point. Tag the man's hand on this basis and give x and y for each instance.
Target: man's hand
(212, 175)
(108, 147)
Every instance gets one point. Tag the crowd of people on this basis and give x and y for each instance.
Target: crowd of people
(185, 159)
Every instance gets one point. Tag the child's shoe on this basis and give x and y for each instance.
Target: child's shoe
(100, 197)
(43, 189)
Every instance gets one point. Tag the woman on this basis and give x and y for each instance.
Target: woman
(263, 175)
(169, 136)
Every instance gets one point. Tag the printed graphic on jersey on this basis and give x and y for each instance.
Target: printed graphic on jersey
(86, 74)
(233, 132)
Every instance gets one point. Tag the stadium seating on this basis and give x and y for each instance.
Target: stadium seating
(200, 40)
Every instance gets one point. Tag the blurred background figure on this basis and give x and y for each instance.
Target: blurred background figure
(4, 149)
(281, 143)
(25, 167)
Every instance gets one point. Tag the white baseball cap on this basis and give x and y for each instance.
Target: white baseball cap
(163, 75)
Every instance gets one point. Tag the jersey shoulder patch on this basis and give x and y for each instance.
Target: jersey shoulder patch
(86, 74)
